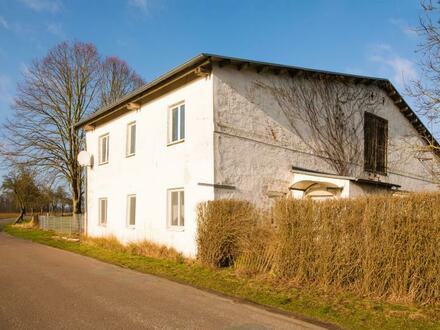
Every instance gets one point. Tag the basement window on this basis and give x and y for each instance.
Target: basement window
(176, 128)
(102, 204)
(375, 144)
(176, 208)
(131, 210)
(103, 149)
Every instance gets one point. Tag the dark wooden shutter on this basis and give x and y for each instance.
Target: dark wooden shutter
(375, 143)
(382, 142)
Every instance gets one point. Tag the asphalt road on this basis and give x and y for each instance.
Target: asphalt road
(46, 288)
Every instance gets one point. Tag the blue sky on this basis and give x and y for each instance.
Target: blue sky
(371, 37)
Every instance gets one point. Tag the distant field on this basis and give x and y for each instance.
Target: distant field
(8, 215)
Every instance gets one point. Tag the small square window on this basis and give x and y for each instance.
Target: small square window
(131, 139)
(176, 208)
(103, 149)
(131, 210)
(102, 202)
(176, 123)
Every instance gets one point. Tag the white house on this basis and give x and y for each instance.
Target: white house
(208, 129)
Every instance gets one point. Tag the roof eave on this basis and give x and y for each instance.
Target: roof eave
(381, 82)
(95, 116)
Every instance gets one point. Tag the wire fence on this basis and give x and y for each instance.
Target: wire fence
(64, 224)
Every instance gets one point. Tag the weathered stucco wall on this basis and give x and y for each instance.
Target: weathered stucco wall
(154, 169)
(255, 147)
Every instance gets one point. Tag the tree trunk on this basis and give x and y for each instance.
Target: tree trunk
(20, 218)
(76, 200)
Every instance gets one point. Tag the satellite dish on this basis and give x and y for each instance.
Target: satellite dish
(84, 158)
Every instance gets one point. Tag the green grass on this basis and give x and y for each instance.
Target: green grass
(340, 309)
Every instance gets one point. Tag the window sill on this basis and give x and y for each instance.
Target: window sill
(376, 173)
(175, 142)
(130, 155)
(178, 229)
(103, 163)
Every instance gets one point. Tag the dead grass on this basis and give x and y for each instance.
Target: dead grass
(153, 250)
(143, 248)
(31, 223)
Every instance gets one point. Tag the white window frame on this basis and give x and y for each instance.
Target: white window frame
(102, 223)
(128, 146)
(129, 197)
(178, 227)
(107, 137)
(180, 138)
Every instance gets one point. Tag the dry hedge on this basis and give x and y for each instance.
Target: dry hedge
(222, 226)
(379, 246)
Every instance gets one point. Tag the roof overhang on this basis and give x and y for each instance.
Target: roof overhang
(200, 65)
(192, 69)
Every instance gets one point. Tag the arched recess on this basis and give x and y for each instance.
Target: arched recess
(317, 190)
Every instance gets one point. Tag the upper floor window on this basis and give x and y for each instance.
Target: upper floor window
(375, 143)
(102, 207)
(131, 139)
(131, 210)
(176, 208)
(176, 123)
(103, 149)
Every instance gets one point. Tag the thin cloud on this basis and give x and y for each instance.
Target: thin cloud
(142, 4)
(56, 29)
(51, 6)
(401, 70)
(4, 23)
(404, 27)
(380, 47)
(145, 7)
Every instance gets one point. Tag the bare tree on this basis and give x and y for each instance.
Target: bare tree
(426, 89)
(20, 182)
(327, 114)
(118, 79)
(57, 92)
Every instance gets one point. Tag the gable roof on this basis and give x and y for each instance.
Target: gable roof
(201, 63)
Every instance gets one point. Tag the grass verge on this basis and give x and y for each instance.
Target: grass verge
(341, 309)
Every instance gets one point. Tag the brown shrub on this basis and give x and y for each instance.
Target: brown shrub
(222, 225)
(257, 251)
(378, 246)
(381, 245)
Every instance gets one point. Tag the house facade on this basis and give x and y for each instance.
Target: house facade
(210, 129)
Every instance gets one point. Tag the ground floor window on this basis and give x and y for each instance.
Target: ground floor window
(102, 211)
(131, 210)
(176, 208)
